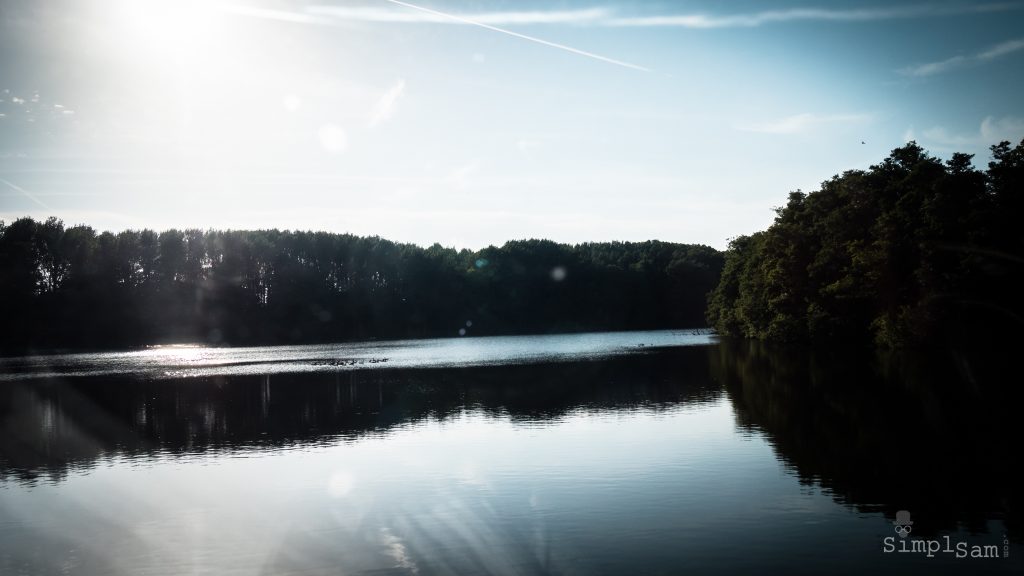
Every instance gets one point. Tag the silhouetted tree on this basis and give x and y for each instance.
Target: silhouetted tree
(911, 251)
(74, 288)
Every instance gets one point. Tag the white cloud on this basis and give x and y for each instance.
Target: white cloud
(934, 67)
(395, 548)
(992, 131)
(404, 15)
(602, 16)
(413, 13)
(997, 51)
(802, 123)
(754, 19)
(385, 105)
(1007, 128)
(1002, 49)
(401, 12)
(486, 25)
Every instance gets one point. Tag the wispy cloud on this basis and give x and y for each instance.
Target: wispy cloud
(991, 131)
(398, 15)
(487, 26)
(604, 16)
(755, 19)
(401, 12)
(412, 13)
(802, 123)
(386, 104)
(997, 51)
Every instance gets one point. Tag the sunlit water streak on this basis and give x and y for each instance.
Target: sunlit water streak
(191, 361)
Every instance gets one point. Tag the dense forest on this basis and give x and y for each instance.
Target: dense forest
(74, 288)
(912, 251)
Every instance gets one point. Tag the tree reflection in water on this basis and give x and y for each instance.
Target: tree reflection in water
(878, 434)
(884, 433)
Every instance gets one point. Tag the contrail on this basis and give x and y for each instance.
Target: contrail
(523, 36)
(28, 194)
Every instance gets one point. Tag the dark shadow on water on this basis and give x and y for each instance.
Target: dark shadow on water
(933, 434)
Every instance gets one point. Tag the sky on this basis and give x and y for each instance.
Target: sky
(470, 123)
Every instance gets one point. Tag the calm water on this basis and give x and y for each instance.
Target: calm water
(629, 453)
(188, 361)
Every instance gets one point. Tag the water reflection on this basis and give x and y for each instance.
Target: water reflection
(724, 458)
(54, 425)
(884, 433)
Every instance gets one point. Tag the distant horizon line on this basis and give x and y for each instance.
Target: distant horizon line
(99, 232)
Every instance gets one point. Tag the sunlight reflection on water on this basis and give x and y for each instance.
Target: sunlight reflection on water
(190, 361)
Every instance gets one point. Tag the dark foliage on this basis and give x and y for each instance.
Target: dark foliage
(912, 251)
(74, 288)
(883, 431)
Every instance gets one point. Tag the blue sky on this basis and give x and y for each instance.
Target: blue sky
(472, 123)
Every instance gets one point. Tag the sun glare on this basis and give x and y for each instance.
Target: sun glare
(164, 27)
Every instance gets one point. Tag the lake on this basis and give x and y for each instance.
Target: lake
(661, 452)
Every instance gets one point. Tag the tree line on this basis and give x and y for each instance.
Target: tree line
(71, 287)
(912, 251)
